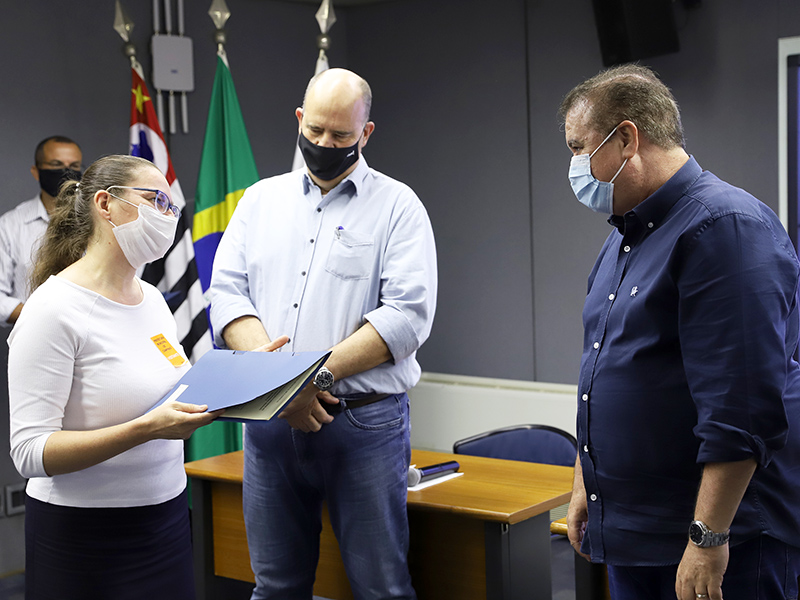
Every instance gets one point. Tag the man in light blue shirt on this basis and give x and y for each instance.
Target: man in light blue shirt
(335, 256)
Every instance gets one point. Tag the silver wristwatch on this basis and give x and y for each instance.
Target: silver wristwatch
(323, 379)
(701, 535)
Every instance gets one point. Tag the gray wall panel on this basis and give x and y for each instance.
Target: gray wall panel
(450, 106)
(566, 236)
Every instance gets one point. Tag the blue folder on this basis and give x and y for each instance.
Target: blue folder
(251, 386)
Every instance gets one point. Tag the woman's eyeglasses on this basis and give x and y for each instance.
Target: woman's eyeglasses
(161, 200)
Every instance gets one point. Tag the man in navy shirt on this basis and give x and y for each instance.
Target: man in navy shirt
(689, 395)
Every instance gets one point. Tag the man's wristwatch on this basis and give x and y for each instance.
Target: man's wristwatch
(323, 379)
(701, 535)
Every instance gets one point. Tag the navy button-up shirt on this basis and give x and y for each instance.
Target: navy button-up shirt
(690, 326)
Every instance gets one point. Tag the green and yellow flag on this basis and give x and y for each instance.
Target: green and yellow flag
(227, 168)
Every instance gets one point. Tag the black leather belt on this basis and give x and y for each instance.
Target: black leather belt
(355, 402)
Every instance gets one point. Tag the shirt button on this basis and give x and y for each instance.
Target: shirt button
(586, 448)
(303, 273)
(319, 210)
(627, 248)
(650, 225)
(611, 296)
(593, 497)
(294, 305)
(311, 240)
(585, 397)
(596, 345)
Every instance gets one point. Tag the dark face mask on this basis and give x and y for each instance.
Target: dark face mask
(50, 180)
(327, 163)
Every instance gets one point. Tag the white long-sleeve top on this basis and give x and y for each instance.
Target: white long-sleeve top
(79, 361)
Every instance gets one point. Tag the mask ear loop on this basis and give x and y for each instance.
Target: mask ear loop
(613, 131)
(619, 171)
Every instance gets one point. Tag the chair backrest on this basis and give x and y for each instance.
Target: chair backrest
(531, 443)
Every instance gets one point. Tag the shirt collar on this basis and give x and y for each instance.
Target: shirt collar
(35, 209)
(655, 207)
(354, 180)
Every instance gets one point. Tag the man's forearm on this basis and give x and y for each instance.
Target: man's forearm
(721, 490)
(722, 487)
(361, 351)
(245, 333)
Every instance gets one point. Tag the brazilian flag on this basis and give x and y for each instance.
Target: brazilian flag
(227, 168)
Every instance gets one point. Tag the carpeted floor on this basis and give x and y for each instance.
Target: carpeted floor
(12, 587)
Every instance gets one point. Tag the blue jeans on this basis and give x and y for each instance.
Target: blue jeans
(358, 464)
(762, 568)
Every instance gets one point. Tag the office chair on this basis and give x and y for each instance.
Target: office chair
(530, 443)
(552, 446)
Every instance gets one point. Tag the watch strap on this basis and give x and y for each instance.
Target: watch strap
(707, 537)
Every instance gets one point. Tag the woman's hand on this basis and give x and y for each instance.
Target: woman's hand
(178, 420)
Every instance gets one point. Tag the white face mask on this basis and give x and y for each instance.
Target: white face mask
(148, 237)
(597, 195)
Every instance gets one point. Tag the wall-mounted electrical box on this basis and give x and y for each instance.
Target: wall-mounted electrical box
(173, 63)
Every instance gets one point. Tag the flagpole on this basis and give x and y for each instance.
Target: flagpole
(123, 25)
(325, 17)
(220, 14)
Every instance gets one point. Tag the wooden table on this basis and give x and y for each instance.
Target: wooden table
(483, 535)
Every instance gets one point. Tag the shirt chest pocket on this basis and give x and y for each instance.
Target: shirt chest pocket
(351, 255)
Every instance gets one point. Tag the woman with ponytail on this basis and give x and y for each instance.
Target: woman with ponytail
(93, 350)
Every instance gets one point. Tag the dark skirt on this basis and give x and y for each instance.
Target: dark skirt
(142, 553)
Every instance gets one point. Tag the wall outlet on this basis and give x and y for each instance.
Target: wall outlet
(15, 498)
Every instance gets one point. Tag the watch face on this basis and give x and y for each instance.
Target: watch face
(696, 533)
(323, 379)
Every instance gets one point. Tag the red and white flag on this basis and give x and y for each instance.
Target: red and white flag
(175, 275)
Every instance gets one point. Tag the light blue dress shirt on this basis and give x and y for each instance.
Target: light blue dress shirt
(317, 268)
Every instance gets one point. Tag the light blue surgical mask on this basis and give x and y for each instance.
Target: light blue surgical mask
(597, 195)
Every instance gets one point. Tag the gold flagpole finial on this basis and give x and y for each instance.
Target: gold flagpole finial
(325, 16)
(123, 25)
(219, 13)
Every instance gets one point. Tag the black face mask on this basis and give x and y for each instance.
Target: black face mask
(327, 163)
(50, 180)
